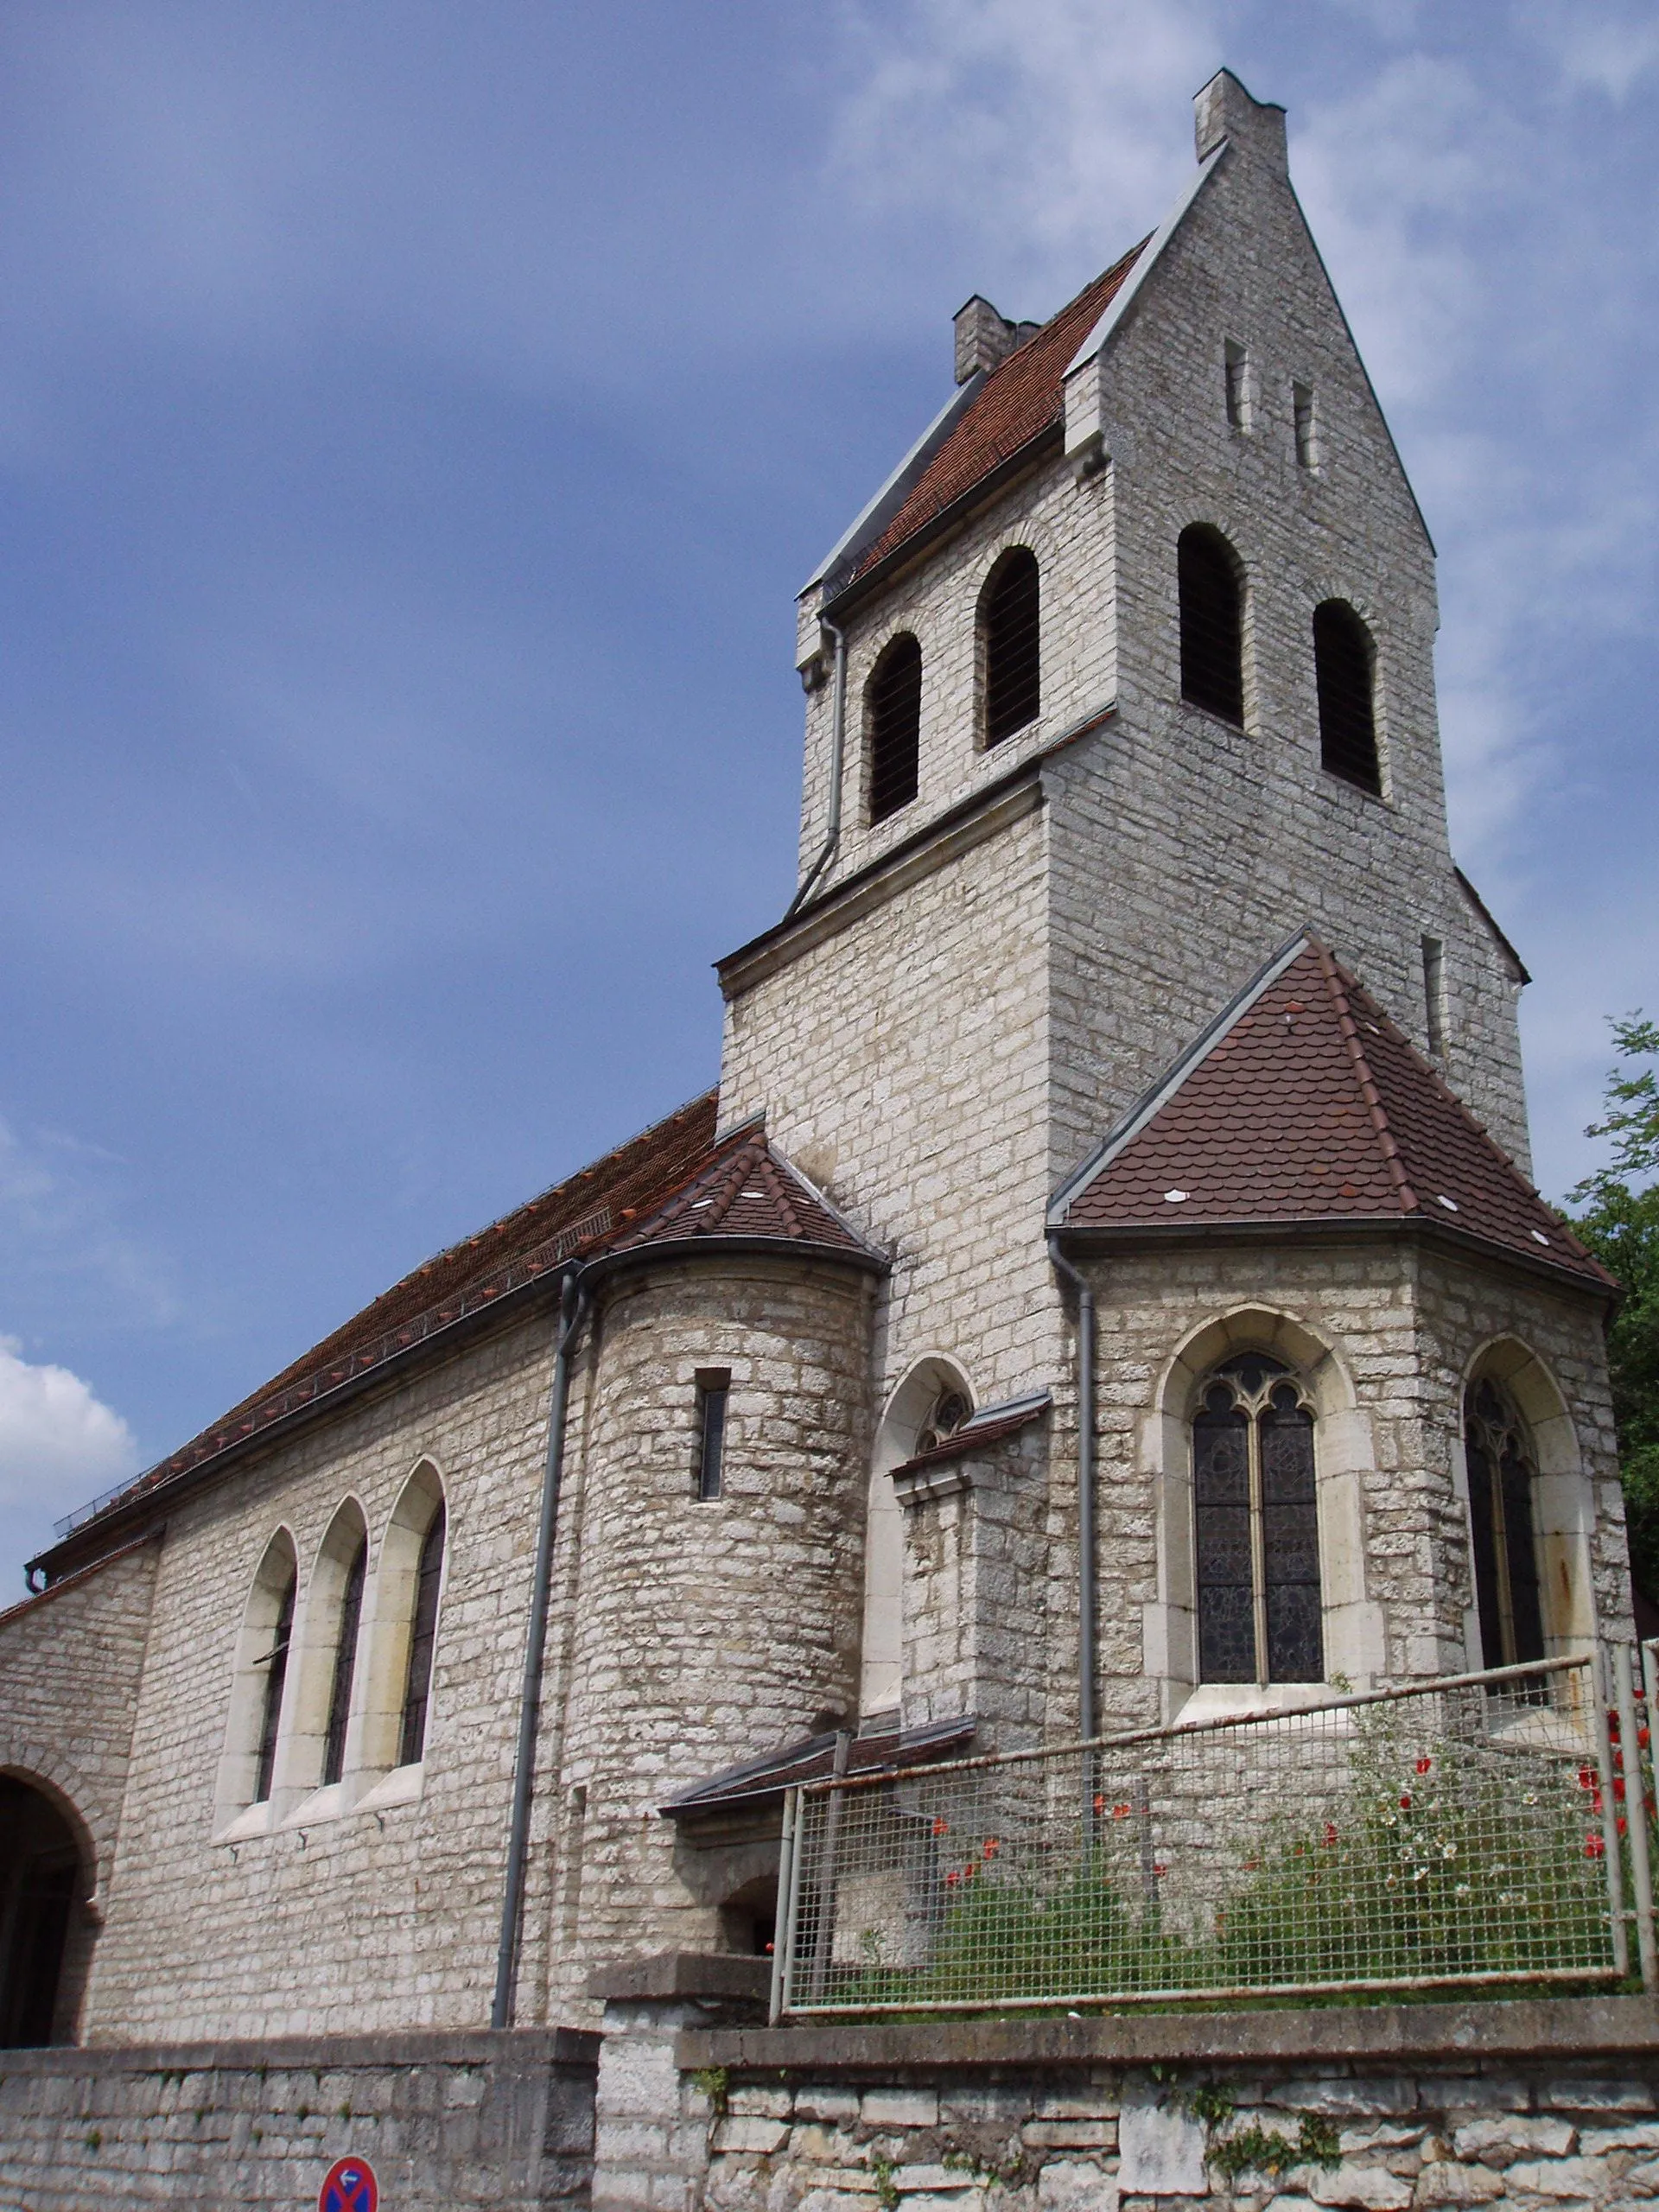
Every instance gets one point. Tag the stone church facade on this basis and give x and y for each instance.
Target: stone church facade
(1133, 1058)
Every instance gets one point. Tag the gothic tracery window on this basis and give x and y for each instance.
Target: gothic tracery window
(946, 1415)
(1257, 1526)
(1501, 1470)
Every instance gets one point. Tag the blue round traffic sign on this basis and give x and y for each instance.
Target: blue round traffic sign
(349, 2186)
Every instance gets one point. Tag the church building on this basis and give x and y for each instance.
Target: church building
(1104, 1287)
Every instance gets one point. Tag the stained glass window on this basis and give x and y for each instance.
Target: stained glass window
(1256, 1527)
(1501, 1471)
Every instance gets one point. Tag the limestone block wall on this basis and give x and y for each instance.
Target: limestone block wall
(975, 1580)
(698, 1633)
(937, 600)
(1404, 2109)
(902, 1062)
(1388, 1335)
(346, 1915)
(71, 1661)
(499, 2123)
(1185, 849)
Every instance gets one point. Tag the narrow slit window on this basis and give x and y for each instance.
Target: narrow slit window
(339, 1695)
(1212, 623)
(1010, 642)
(1434, 994)
(274, 1662)
(1237, 371)
(1308, 436)
(893, 716)
(714, 1388)
(418, 1688)
(1344, 672)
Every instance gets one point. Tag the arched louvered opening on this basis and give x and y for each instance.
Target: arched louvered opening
(1212, 623)
(1256, 1508)
(893, 708)
(275, 1664)
(1010, 644)
(1343, 664)
(1501, 1471)
(344, 1667)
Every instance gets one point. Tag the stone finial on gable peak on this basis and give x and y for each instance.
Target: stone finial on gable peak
(984, 337)
(1224, 110)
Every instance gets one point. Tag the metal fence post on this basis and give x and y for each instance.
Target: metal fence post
(780, 1917)
(1636, 1822)
(1602, 1689)
(794, 1815)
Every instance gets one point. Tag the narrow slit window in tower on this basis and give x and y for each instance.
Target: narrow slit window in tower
(1434, 994)
(1212, 627)
(1237, 375)
(1008, 613)
(1308, 436)
(713, 1389)
(893, 712)
(1343, 670)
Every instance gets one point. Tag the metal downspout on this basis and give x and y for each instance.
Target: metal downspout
(1087, 1723)
(573, 1303)
(837, 752)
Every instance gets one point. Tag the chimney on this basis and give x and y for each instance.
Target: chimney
(984, 337)
(1224, 110)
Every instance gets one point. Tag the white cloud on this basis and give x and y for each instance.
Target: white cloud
(59, 1443)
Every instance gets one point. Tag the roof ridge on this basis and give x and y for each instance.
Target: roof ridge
(1387, 1142)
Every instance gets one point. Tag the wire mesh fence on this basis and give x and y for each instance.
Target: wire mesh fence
(1471, 1830)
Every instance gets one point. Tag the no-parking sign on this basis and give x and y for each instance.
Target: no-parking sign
(349, 2186)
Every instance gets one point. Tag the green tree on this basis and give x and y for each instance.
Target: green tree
(1620, 1221)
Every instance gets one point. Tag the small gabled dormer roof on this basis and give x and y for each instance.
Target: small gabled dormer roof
(1302, 1105)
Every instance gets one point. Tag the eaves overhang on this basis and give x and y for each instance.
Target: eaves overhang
(1329, 1228)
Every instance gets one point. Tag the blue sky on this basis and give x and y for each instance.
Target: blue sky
(414, 425)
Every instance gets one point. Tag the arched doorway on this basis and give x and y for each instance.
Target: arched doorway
(39, 1882)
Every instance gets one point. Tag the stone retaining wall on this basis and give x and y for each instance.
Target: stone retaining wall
(448, 2121)
(1408, 2109)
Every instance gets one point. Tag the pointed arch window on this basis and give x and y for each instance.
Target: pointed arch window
(345, 1670)
(1257, 1526)
(892, 706)
(424, 1629)
(1009, 607)
(1502, 1471)
(274, 1663)
(1344, 668)
(1212, 623)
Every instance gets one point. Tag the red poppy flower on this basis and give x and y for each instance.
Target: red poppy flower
(1120, 1812)
(968, 1871)
(992, 1845)
(1160, 1870)
(951, 1879)
(1100, 1804)
(941, 1826)
(1405, 1802)
(1423, 1765)
(1619, 1785)
(1644, 1738)
(1594, 1848)
(1330, 1833)
(1586, 1777)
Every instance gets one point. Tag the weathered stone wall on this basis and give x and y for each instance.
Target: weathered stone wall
(500, 2123)
(1531, 2104)
(343, 1917)
(700, 1633)
(70, 1664)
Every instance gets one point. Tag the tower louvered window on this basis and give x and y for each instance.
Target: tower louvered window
(276, 1665)
(893, 716)
(1212, 628)
(1342, 665)
(1008, 627)
(1256, 1527)
(417, 1688)
(339, 1695)
(1501, 1473)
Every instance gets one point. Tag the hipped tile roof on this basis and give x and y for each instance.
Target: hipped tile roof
(1305, 1103)
(1021, 397)
(672, 1182)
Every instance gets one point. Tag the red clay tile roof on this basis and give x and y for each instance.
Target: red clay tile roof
(745, 1189)
(1022, 397)
(1305, 1104)
(669, 1183)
